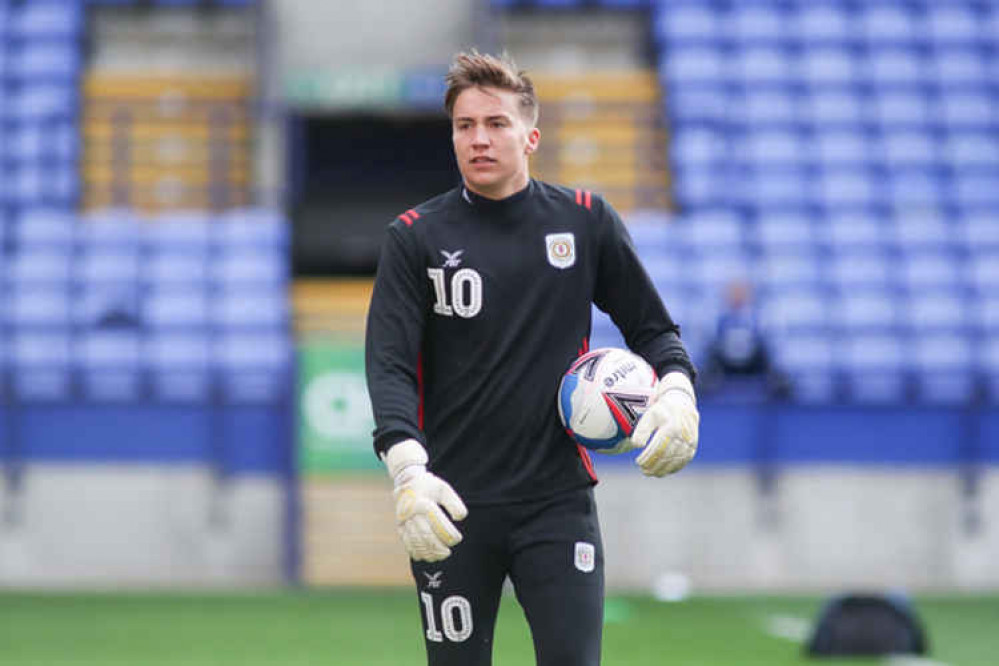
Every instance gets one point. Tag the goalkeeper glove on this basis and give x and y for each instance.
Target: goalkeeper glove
(667, 431)
(426, 532)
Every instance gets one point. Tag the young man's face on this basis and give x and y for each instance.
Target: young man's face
(492, 140)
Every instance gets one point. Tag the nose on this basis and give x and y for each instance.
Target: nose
(480, 137)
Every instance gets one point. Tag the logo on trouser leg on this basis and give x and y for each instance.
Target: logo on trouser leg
(586, 556)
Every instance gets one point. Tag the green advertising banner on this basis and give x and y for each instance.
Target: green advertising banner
(335, 420)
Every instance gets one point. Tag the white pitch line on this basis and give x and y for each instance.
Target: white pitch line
(788, 627)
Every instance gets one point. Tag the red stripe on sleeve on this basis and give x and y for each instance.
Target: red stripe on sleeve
(405, 218)
(588, 199)
(412, 212)
(579, 197)
(587, 462)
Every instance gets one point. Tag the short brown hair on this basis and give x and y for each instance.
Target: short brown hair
(471, 69)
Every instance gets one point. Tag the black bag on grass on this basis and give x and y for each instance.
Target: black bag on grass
(867, 625)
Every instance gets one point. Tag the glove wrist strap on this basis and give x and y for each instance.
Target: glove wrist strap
(676, 381)
(405, 460)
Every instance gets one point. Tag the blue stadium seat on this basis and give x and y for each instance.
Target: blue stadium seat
(252, 227)
(178, 364)
(837, 107)
(795, 310)
(984, 271)
(176, 307)
(174, 266)
(973, 150)
(852, 232)
(873, 309)
(770, 107)
(917, 188)
(45, 229)
(788, 232)
(698, 103)
(39, 267)
(690, 65)
(824, 22)
(922, 232)
(980, 232)
(109, 230)
(789, 268)
(976, 189)
(757, 22)
(250, 307)
(830, 65)
(35, 100)
(781, 187)
(773, 148)
(766, 65)
(34, 142)
(889, 22)
(928, 269)
(45, 61)
(700, 147)
(875, 368)
(845, 187)
(955, 23)
(108, 364)
(46, 19)
(810, 362)
(960, 66)
(936, 310)
(102, 266)
(910, 148)
(842, 147)
(694, 21)
(944, 368)
(253, 366)
(250, 266)
(181, 232)
(37, 306)
(893, 66)
(716, 267)
(699, 186)
(911, 109)
(107, 305)
(712, 230)
(968, 109)
(41, 366)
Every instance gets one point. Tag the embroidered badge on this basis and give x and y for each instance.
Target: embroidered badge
(561, 249)
(586, 556)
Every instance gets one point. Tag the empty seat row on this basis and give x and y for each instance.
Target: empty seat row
(170, 367)
(827, 22)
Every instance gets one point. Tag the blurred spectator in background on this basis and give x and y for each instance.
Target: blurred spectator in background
(738, 354)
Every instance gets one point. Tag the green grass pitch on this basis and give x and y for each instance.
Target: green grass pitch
(381, 628)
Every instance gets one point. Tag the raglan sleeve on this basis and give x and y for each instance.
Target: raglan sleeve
(393, 337)
(626, 293)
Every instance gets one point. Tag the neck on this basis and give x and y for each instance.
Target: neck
(503, 191)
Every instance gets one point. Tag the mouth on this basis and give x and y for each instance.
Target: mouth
(482, 159)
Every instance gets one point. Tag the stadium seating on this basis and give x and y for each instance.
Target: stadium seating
(111, 306)
(853, 149)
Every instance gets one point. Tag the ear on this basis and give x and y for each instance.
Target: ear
(533, 138)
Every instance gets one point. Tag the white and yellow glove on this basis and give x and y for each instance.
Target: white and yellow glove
(667, 432)
(426, 532)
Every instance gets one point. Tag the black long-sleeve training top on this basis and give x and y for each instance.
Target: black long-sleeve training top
(479, 307)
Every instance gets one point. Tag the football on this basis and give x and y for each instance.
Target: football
(602, 395)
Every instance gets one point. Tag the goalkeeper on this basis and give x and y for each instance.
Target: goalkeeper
(482, 299)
